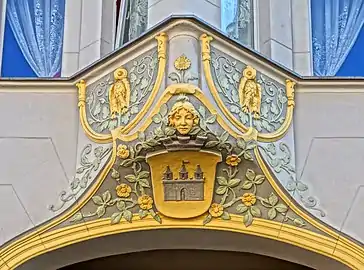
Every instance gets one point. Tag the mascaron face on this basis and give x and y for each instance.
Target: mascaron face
(183, 121)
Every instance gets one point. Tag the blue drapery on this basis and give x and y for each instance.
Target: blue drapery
(336, 25)
(37, 26)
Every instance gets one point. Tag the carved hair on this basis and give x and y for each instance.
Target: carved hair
(179, 106)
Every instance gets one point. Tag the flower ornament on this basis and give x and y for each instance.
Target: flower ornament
(216, 210)
(145, 202)
(182, 63)
(249, 199)
(122, 151)
(233, 160)
(123, 190)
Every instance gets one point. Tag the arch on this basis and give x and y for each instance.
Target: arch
(178, 239)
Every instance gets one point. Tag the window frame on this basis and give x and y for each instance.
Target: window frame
(120, 25)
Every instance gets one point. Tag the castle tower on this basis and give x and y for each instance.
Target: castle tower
(183, 173)
(168, 174)
(198, 173)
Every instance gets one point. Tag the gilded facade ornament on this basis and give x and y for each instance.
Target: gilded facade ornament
(205, 47)
(182, 75)
(162, 40)
(81, 85)
(183, 117)
(290, 85)
(250, 92)
(119, 93)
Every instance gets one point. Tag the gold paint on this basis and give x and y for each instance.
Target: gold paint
(183, 209)
(182, 63)
(119, 93)
(53, 240)
(43, 240)
(290, 92)
(250, 92)
(96, 137)
(264, 137)
(106, 138)
(183, 116)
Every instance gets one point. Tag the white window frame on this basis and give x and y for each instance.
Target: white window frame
(2, 28)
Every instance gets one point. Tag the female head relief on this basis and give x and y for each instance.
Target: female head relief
(183, 117)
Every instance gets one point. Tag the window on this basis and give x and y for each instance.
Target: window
(33, 38)
(336, 35)
(237, 20)
(132, 21)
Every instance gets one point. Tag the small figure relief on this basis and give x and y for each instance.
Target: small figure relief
(183, 188)
(250, 92)
(183, 117)
(119, 93)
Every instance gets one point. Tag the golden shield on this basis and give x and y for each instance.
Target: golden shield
(183, 181)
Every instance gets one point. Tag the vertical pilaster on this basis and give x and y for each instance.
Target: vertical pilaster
(207, 10)
(88, 34)
(275, 31)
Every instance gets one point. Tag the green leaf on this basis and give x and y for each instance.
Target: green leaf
(273, 199)
(301, 186)
(248, 156)
(259, 179)
(241, 208)
(106, 196)
(159, 132)
(250, 174)
(222, 180)
(234, 109)
(272, 213)
(194, 131)
(224, 136)
(128, 215)
(141, 136)
(116, 217)
(207, 219)
(157, 218)
(299, 222)
(202, 111)
(134, 110)
(157, 118)
(225, 216)
(164, 109)
(211, 144)
(120, 205)
(115, 174)
(97, 200)
(100, 211)
(143, 174)
(251, 145)
(169, 131)
(241, 143)
(255, 211)
(247, 185)
(234, 182)
(131, 178)
(126, 162)
(143, 214)
(211, 119)
(248, 219)
(221, 190)
(77, 217)
(281, 208)
(144, 183)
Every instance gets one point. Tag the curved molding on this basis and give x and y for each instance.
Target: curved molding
(264, 137)
(81, 85)
(51, 237)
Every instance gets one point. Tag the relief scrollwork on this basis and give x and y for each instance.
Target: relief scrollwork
(280, 159)
(119, 99)
(184, 124)
(247, 97)
(182, 75)
(83, 174)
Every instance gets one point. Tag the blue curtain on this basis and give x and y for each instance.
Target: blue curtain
(37, 27)
(336, 25)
